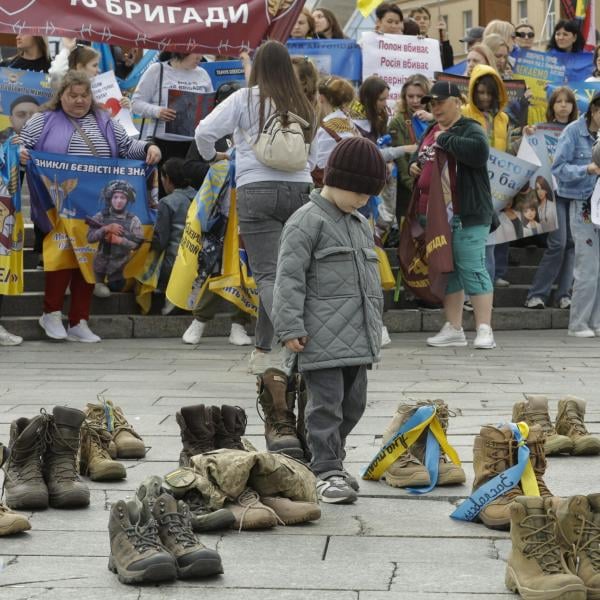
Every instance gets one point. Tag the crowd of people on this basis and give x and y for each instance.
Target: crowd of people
(432, 127)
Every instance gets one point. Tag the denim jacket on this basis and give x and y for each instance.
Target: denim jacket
(573, 155)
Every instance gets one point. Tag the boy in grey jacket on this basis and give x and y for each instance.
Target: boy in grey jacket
(328, 303)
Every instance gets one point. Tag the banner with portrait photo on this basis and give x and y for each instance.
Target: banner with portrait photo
(331, 57)
(191, 108)
(21, 94)
(12, 231)
(515, 88)
(510, 178)
(394, 58)
(225, 71)
(98, 210)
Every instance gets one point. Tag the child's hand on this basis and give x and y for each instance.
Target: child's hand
(296, 345)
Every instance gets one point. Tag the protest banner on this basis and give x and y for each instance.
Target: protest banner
(225, 71)
(98, 211)
(583, 90)
(12, 231)
(331, 57)
(191, 108)
(21, 94)
(552, 65)
(204, 26)
(394, 58)
(515, 88)
(509, 175)
(107, 93)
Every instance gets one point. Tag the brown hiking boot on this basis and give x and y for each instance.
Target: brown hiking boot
(570, 422)
(407, 470)
(136, 554)
(535, 411)
(175, 531)
(94, 459)
(230, 426)
(197, 432)
(292, 512)
(10, 522)
(23, 481)
(535, 567)
(181, 484)
(448, 472)
(536, 445)
(494, 451)
(578, 531)
(280, 422)
(300, 394)
(251, 513)
(65, 489)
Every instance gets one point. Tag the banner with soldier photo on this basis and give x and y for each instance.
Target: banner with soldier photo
(96, 211)
(12, 230)
(513, 197)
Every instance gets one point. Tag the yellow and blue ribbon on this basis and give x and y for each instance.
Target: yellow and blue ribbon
(498, 486)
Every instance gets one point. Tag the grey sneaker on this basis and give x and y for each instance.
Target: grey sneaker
(448, 336)
(535, 302)
(334, 488)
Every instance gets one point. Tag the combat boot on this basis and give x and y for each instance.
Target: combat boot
(175, 531)
(96, 415)
(280, 422)
(197, 432)
(230, 425)
(23, 481)
(300, 395)
(10, 522)
(570, 422)
(407, 470)
(94, 459)
(535, 411)
(292, 512)
(65, 489)
(181, 484)
(578, 531)
(448, 472)
(494, 451)
(536, 444)
(536, 568)
(136, 554)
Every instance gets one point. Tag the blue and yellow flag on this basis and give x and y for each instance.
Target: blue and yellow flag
(366, 7)
(11, 221)
(99, 214)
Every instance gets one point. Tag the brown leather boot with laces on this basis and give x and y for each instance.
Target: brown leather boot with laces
(230, 425)
(197, 431)
(570, 421)
(94, 458)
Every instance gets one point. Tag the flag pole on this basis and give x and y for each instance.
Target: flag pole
(550, 3)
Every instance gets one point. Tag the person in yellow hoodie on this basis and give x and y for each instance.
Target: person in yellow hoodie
(487, 100)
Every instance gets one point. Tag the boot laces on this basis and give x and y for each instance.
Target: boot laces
(64, 452)
(121, 423)
(177, 527)
(542, 418)
(541, 544)
(249, 499)
(576, 421)
(588, 541)
(98, 438)
(144, 537)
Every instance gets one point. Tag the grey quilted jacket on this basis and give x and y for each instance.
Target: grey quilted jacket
(328, 287)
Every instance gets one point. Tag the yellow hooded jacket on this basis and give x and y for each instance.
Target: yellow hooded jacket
(499, 138)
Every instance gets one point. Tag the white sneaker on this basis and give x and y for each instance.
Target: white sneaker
(448, 336)
(485, 338)
(564, 302)
(238, 336)
(535, 302)
(501, 282)
(9, 339)
(101, 290)
(259, 362)
(193, 334)
(52, 324)
(167, 309)
(582, 333)
(82, 333)
(385, 337)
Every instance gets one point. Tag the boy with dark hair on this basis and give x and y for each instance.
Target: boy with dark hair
(328, 303)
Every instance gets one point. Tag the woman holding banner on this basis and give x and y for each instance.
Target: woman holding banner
(72, 124)
(266, 196)
(576, 175)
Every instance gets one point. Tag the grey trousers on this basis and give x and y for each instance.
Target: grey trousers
(263, 208)
(337, 399)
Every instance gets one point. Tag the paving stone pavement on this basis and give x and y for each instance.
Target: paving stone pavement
(389, 545)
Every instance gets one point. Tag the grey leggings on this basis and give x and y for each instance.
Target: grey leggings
(263, 209)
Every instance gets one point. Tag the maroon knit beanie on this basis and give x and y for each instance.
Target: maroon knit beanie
(357, 165)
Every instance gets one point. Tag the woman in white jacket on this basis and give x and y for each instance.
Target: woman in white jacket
(266, 197)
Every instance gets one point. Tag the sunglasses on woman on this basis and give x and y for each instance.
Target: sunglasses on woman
(525, 34)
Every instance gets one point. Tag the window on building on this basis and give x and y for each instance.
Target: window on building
(522, 11)
(467, 19)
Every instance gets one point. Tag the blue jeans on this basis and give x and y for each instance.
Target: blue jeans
(585, 303)
(557, 262)
(263, 209)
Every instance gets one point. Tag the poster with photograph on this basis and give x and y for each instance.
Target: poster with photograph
(191, 108)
